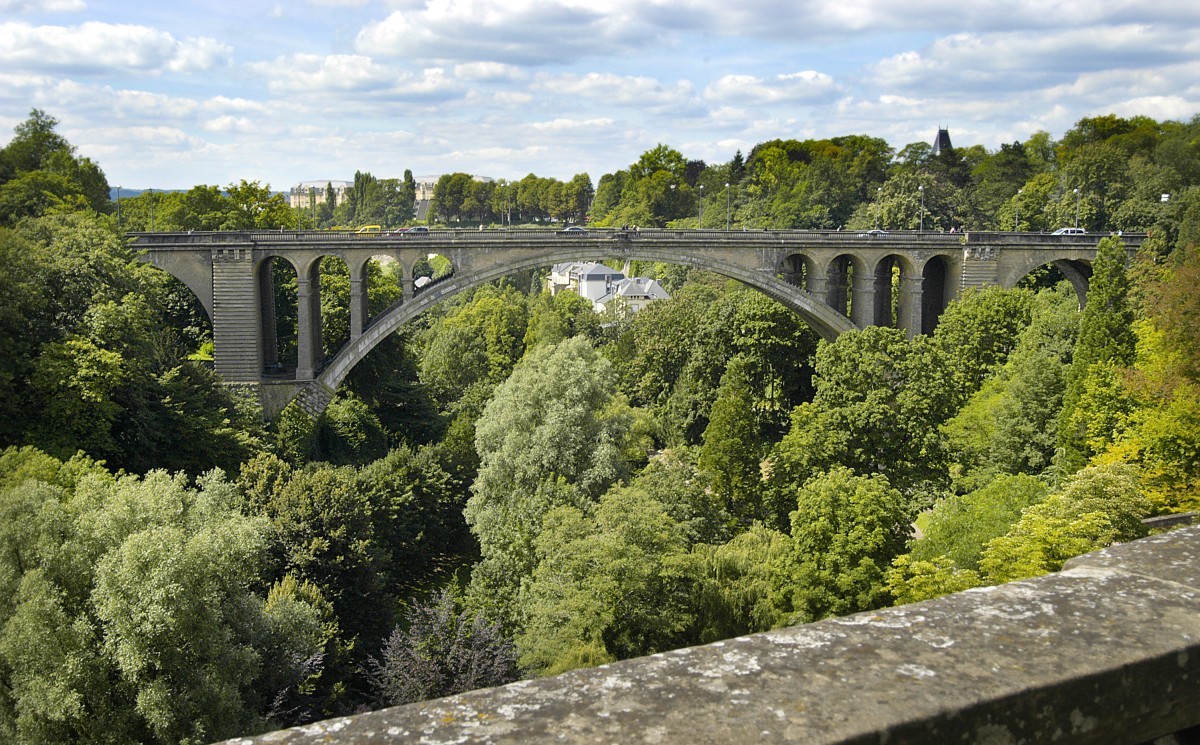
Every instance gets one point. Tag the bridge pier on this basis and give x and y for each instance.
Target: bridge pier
(863, 304)
(911, 304)
(309, 353)
(358, 300)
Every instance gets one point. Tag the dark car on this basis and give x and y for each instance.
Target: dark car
(415, 230)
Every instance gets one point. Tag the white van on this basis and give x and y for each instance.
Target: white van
(1070, 231)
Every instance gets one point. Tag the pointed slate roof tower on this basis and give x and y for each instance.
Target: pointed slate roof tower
(942, 141)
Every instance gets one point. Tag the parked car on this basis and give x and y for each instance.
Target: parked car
(1070, 231)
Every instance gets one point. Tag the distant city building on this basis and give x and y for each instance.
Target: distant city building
(604, 286)
(311, 193)
(942, 141)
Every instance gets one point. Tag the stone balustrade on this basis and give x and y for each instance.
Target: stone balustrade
(1106, 651)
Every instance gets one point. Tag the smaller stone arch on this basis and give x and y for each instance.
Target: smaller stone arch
(936, 291)
(800, 270)
(845, 288)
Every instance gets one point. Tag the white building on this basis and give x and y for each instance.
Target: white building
(311, 193)
(604, 286)
(632, 294)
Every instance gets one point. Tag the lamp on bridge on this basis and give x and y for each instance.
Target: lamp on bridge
(700, 208)
(118, 206)
(727, 206)
(1077, 207)
(878, 199)
(921, 224)
(1017, 219)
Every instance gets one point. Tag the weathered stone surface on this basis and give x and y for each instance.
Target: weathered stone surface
(1107, 651)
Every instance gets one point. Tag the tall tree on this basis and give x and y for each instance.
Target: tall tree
(1106, 335)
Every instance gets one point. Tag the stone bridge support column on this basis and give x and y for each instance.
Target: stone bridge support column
(911, 294)
(358, 300)
(237, 316)
(818, 285)
(862, 305)
(308, 328)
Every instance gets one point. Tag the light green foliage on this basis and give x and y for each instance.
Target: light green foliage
(1010, 424)
(846, 531)
(674, 479)
(958, 527)
(980, 330)
(1098, 506)
(620, 581)
(911, 580)
(128, 612)
(548, 437)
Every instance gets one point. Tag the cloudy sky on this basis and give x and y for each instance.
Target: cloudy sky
(173, 93)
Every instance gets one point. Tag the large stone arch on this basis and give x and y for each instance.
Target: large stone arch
(823, 319)
(1078, 272)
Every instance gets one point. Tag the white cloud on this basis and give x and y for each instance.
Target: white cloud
(572, 125)
(807, 86)
(97, 48)
(612, 89)
(351, 75)
(488, 71)
(42, 6)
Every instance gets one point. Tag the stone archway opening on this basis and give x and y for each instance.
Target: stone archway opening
(334, 291)
(278, 306)
(935, 292)
(429, 270)
(1078, 273)
(897, 295)
(799, 270)
(839, 284)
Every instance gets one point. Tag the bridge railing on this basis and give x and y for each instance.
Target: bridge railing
(194, 239)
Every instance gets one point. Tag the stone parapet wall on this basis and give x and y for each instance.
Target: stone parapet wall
(1106, 651)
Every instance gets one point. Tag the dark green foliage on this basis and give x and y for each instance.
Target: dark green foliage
(441, 652)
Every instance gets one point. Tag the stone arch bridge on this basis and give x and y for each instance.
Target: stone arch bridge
(836, 281)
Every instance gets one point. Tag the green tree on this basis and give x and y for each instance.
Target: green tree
(612, 586)
(550, 436)
(846, 530)
(732, 447)
(1106, 335)
(1098, 506)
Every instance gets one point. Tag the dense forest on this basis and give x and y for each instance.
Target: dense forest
(515, 485)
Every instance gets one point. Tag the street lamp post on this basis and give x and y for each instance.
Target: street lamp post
(118, 207)
(1017, 219)
(878, 199)
(700, 208)
(1076, 207)
(726, 206)
(921, 223)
